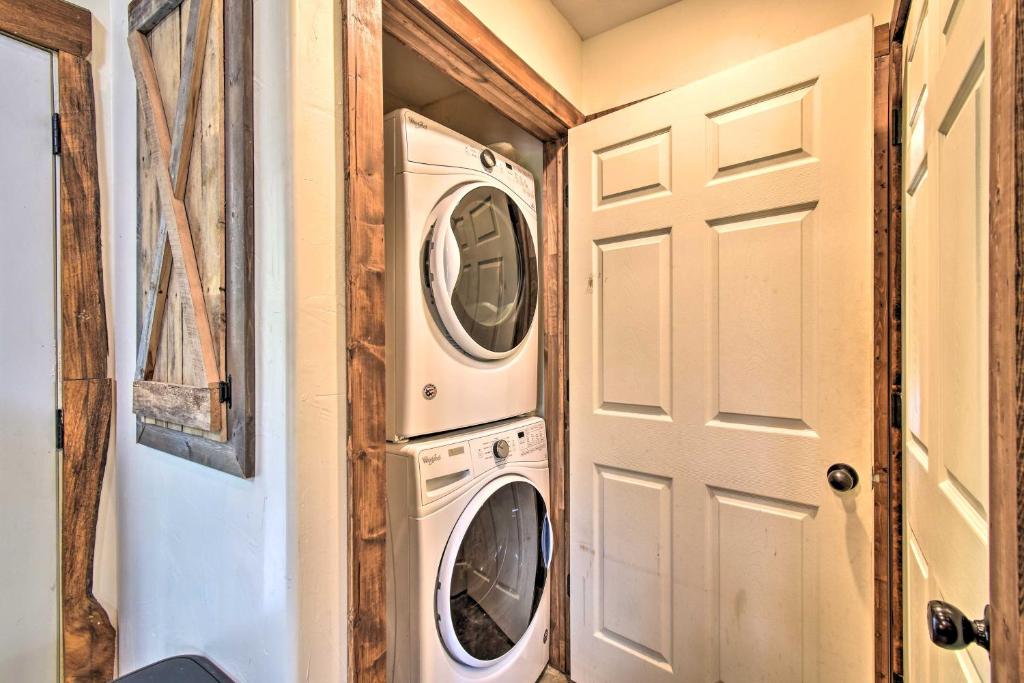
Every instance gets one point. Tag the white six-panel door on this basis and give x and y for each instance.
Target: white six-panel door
(945, 208)
(29, 584)
(720, 313)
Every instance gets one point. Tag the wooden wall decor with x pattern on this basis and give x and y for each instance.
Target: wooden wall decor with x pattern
(198, 407)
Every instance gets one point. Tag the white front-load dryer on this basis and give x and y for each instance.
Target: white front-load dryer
(469, 545)
(462, 281)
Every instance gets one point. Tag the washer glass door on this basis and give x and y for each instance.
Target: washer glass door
(483, 272)
(493, 572)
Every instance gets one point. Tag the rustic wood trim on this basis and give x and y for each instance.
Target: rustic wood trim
(143, 15)
(88, 654)
(83, 310)
(1006, 340)
(88, 636)
(236, 455)
(53, 24)
(556, 388)
(898, 21)
(197, 407)
(364, 302)
(172, 207)
(450, 37)
(882, 387)
(895, 366)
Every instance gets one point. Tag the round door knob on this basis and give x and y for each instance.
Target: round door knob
(842, 477)
(950, 628)
(488, 159)
(501, 449)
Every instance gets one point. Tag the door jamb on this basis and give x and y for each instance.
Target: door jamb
(88, 638)
(451, 38)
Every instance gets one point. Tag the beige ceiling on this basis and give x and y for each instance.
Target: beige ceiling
(590, 17)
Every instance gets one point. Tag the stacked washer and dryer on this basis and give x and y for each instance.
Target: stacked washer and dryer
(469, 539)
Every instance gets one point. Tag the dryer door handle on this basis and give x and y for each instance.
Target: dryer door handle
(547, 541)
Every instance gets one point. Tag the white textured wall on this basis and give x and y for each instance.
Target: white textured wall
(695, 38)
(249, 572)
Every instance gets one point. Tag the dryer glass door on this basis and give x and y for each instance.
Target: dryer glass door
(498, 575)
(483, 272)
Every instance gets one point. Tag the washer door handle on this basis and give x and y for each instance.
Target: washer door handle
(547, 541)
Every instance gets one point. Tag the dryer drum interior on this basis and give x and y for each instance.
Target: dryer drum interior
(482, 272)
(493, 572)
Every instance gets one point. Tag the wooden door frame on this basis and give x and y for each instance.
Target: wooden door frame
(88, 638)
(451, 38)
(1006, 337)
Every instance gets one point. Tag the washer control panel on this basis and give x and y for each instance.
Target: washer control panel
(444, 467)
(522, 443)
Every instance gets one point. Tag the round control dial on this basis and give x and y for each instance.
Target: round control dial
(488, 159)
(501, 449)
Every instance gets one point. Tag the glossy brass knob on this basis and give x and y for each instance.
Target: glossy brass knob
(842, 477)
(949, 628)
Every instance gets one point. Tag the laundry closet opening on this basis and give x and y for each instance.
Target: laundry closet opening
(470, 527)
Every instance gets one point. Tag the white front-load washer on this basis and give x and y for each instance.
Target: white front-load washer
(469, 545)
(461, 278)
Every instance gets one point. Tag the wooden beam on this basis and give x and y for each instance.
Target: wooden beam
(194, 54)
(364, 302)
(52, 24)
(143, 15)
(1006, 341)
(556, 368)
(172, 208)
(83, 309)
(88, 643)
(197, 407)
(88, 637)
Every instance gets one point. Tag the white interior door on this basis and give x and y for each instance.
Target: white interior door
(720, 298)
(945, 209)
(29, 584)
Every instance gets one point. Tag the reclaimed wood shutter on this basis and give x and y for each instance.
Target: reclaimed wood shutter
(194, 229)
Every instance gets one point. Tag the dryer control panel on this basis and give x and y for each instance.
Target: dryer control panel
(445, 466)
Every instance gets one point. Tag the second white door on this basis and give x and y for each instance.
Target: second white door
(720, 327)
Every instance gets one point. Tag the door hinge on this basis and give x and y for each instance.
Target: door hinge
(55, 133)
(896, 410)
(567, 584)
(897, 678)
(60, 429)
(896, 127)
(225, 391)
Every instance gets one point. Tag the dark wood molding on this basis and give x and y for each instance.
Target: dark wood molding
(236, 454)
(450, 37)
(895, 299)
(87, 392)
(556, 389)
(88, 634)
(882, 360)
(53, 24)
(1006, 340)
(898, 21)
(364, 316)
